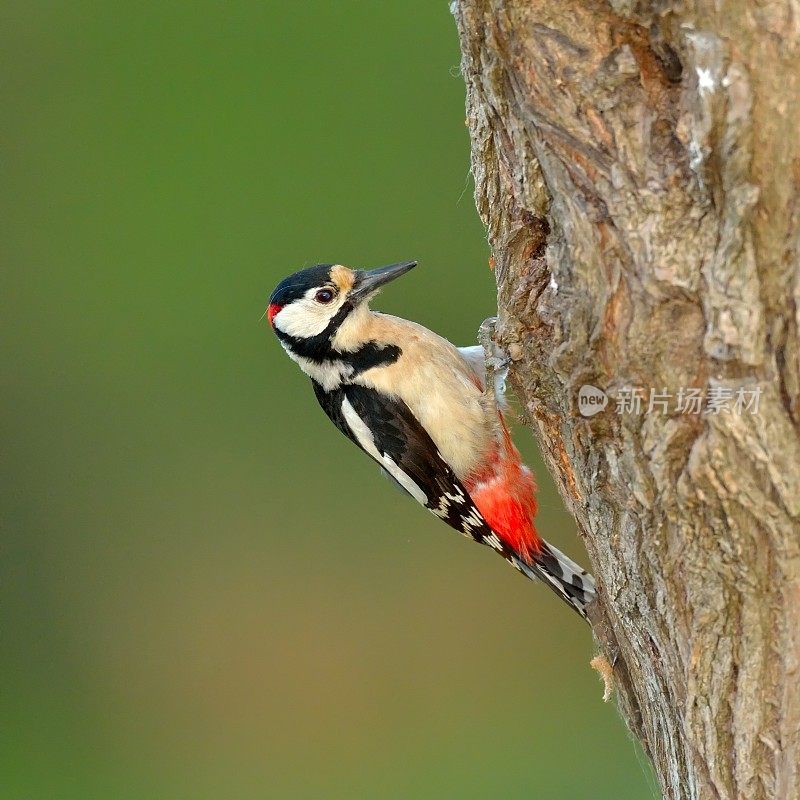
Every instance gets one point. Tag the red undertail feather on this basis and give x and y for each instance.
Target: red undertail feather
(505, 493)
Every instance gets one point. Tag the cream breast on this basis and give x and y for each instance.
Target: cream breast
(435, 382)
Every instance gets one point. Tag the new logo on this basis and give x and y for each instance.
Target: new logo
(591, 400)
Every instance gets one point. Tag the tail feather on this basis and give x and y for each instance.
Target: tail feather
(562, 575)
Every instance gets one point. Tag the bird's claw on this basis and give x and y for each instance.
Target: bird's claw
(495, 356)
(496, 361)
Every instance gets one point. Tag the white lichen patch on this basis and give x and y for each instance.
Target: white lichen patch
(705, 80)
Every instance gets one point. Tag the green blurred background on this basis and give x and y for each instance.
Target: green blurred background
(207, 592)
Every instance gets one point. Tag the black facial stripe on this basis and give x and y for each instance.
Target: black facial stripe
(317, 348)
(367, 356)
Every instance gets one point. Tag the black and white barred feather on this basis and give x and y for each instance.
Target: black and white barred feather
(386, 429)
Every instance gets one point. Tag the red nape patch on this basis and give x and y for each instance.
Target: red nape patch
(273, 309)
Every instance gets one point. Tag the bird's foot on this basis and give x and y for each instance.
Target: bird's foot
(496, 362)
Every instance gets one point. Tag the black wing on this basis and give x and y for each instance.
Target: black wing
(387, 430)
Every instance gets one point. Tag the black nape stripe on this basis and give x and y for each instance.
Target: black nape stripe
(370, 355)
(319, 348)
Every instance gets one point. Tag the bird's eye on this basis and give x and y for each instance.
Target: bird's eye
(324, 296)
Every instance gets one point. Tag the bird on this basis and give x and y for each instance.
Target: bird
(425, 410)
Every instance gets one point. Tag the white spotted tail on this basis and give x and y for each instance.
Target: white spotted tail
(562, 575)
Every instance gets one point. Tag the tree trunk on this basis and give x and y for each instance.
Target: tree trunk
(637, 167)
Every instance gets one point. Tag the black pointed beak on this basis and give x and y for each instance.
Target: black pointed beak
(370, 281)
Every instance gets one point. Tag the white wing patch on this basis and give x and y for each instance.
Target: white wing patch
(364, 437)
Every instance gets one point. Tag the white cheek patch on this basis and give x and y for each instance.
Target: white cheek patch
(306, 317)
(364, 437)
(303, 318)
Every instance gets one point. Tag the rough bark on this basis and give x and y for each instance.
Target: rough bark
(637, 167)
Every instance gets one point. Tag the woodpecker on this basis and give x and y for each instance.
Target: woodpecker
(424, 410)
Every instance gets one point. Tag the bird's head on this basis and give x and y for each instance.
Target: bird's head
(313, 303)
